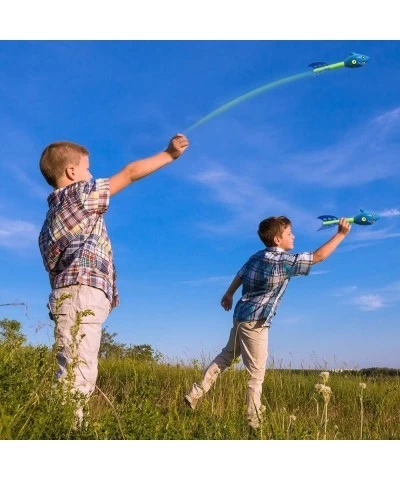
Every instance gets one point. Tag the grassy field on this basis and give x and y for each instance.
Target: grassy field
(144, 400)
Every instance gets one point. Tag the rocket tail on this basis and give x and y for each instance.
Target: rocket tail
(328, 221)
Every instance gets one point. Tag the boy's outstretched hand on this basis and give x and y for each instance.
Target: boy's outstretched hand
(344, 226)
(177, 145)
(226, 301)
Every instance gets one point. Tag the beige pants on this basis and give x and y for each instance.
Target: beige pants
(78, 333)
(249, 339)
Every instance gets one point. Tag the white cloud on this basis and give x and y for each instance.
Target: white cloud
(390, 212)
(382, 297)
(17, 234)
(366, 238)
(369, 152)
(372, 234)
(370, 302)
(388, 118)
(354, 246)
(248, 201)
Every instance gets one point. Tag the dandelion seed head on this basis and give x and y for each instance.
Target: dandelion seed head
(324, 376)
(292, 418)
(363, 385)
(324, 390)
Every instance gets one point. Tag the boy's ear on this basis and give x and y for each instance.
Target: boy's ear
(277, 240)
(70, 171)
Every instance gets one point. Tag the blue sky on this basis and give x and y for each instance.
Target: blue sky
(327, 144)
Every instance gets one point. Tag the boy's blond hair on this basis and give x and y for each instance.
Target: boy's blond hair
(272, 227)
(57, 156)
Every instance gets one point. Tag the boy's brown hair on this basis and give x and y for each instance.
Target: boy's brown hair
(272, 227)
(57, 156)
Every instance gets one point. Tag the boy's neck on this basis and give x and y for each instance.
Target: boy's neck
(64, 183)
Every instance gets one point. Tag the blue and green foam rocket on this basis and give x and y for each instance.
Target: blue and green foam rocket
(363, 218)
(354, 60)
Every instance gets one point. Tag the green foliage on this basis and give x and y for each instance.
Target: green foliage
(10, 333)
(382, 371)
(144, 353)
(109, 348)
(137, 399)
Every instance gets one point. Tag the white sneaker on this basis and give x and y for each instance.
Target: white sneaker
(191, 402)
(255, 419)
(254, 422)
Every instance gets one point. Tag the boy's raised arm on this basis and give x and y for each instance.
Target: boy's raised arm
(141, 168)
(329, 247)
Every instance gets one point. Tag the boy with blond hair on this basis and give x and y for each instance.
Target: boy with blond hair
(77, 253)
(264, 278)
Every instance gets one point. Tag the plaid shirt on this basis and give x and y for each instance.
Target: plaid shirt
(265, 277)
(73, 241)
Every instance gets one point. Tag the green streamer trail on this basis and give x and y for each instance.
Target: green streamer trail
(247, 96)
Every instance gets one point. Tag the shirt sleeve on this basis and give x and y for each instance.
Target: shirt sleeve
(96, 195)
(298, 264)
(240, 273)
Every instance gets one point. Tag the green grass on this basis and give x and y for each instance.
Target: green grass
(144, 400)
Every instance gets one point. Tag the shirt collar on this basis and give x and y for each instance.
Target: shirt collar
(275, 249)
(56, 194)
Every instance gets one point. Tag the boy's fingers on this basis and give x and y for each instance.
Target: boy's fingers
(180, 136)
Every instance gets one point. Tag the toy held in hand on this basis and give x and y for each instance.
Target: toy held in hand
(363, 218)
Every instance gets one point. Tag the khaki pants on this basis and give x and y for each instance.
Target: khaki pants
(249, 339)
(77, 335)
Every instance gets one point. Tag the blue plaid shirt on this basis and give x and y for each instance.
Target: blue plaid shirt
(265, 277)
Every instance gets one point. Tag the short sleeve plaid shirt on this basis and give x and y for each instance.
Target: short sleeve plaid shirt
(265, 277)
(74, 243)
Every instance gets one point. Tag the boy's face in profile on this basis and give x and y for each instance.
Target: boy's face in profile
(286, 239)
(81, 171)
